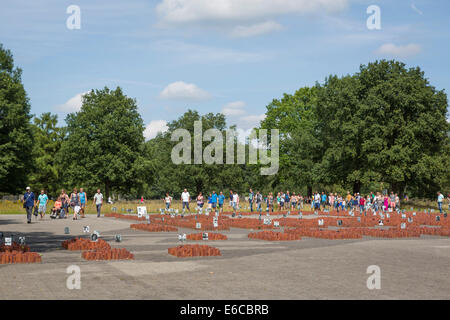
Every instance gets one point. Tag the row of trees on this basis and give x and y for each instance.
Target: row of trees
(384, 127)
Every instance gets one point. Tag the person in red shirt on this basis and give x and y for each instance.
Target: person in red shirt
(362, 203)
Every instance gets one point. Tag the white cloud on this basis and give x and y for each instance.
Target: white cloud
(155, 126)
(73, 104)
(413, 6)
(194, 11)
(251, 121)
(391, 49)
(237, 115)
(234, 108)
(184, 91)
(256, 29)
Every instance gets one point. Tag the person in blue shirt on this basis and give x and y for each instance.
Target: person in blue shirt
(221, 200)
(440, 199)
(214, 200)
(42, 203)
(324, 200)
(28, 203)
(82, 202)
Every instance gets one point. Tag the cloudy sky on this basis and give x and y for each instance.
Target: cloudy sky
(230, 56)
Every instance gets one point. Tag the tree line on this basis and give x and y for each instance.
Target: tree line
(384, 127)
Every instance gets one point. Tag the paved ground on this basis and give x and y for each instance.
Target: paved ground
(248, 269)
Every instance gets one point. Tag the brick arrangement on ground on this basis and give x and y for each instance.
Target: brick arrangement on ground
(96, 250)
(195, 250)
(17, 253)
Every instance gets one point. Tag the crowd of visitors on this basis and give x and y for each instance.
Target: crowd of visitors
(62, 205)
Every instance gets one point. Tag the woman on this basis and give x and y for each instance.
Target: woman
(200, 200)
(75, 203)
(270, 200)
(386, 203)
(293, 201)
(168, 201)
(331, 199)
(64, 204)
(392, 201)
(397, 201)
(210, 201)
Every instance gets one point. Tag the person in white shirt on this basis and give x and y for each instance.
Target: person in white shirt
(185, 198)
(98, 201)
(440, 200)
(235, 201)
(168, 201)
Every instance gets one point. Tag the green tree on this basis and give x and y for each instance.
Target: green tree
(16, 139)
(384, 124)
(196, 178)
(104, 146)
(300, 148)
(48, 138)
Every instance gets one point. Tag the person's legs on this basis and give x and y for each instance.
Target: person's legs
(99, 207)
(29, 213)
(440, 207)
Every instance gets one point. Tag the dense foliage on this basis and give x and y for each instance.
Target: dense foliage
(384, 127)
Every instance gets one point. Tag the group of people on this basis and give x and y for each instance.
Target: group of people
(76, 202)
(292, 201)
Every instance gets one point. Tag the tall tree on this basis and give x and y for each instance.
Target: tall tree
(104, 146)
(48, 138)
(385, 123)
(16, 139)
(300, 148)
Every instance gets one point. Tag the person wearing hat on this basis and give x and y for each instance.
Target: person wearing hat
(28, 203)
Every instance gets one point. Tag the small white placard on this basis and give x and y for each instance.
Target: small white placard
(403, 226)
(142, 211)
(8, 241)
(276, 224)
(198, 225)
(403, 216)
(205, 236)
(267, 221)
(320, 222)
(86, 229)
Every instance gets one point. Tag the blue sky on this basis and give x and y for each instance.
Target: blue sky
(231, 56)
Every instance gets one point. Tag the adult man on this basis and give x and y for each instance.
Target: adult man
(28, 203)
(185, 198)
(258, 201)
(231, 198)
(42, 202)
(250, 199)
(440, 199)
(221, 200)
(98, 201)
(82, 195)
(235, 201)
(214, 200)
(317, 201)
